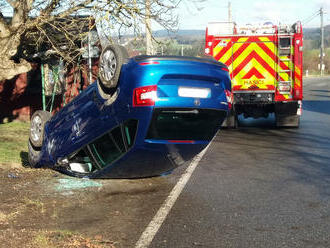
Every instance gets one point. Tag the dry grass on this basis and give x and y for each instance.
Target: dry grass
(68, 239)
(6, 218)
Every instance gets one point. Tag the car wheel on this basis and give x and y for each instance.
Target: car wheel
(33, 155)
(111, 60)
(38, 121)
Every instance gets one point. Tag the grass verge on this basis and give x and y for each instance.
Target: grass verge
(13, 142)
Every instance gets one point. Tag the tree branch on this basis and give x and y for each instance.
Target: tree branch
(4, 30)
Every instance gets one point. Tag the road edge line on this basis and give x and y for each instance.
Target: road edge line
(150, 232)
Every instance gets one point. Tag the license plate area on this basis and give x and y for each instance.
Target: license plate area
(195, 92)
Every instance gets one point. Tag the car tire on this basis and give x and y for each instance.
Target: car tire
(38, 121)
(33, 155)
(111, 60)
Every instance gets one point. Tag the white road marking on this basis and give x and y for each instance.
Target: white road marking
(153, 227)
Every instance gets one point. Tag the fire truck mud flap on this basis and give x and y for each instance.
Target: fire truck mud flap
(288, 114)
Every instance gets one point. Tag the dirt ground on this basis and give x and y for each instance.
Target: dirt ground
(43, 208)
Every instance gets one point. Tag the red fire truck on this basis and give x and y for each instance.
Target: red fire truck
(265, 65)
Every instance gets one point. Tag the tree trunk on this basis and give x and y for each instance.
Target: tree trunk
(8, 68)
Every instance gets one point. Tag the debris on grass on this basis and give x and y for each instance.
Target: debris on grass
(65, 184)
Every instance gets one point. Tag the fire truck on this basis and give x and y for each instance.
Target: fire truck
(265, 66)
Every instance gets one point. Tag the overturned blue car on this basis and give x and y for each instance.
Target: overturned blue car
(143, 117)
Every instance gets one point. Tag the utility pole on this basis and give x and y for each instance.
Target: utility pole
(148, 28)
(230, 19)
(322, 43)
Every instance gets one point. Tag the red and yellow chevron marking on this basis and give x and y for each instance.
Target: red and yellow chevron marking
(297, 77)
(253, 62)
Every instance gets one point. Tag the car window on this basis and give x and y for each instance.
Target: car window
(184, 124)
(113, 144)
(106, 149)
(130, 128)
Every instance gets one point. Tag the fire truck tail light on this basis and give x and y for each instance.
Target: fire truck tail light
(207, 50)
(297, 94)
(145, 96)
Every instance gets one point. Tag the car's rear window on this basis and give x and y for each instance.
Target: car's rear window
(185, 124)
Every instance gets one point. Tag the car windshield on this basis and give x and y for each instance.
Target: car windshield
(184, 124)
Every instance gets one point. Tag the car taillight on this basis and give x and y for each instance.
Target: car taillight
(224, 69)
(145, 96)
(229, 98)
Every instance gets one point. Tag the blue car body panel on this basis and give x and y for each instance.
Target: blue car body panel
(88, 116)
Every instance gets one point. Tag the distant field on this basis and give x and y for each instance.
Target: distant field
(311, 61)
(13, 142)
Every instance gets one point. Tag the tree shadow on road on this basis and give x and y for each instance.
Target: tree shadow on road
(317, 106)
(303, 153)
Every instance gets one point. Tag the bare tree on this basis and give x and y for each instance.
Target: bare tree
(44, 28)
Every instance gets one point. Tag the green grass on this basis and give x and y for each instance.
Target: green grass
(13, 142)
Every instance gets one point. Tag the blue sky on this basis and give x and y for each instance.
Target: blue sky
(197, 15)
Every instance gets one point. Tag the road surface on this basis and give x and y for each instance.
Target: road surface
(260, 186)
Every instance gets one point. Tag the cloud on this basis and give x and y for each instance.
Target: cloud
(272, 11)
(323, 3)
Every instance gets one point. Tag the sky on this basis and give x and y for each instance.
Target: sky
(196, 15)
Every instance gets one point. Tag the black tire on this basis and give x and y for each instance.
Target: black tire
(34, 155)
(231, 121)
(111, 60)
(38, 121)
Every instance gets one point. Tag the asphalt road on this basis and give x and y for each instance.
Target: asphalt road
(260, 186)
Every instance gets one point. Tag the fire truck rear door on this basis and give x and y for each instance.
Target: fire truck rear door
(253, 64)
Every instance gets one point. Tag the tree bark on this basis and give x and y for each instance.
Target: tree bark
(8, 68)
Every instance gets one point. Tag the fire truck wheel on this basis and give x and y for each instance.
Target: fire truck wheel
(231, 120)
(111, 60)
(287, 120)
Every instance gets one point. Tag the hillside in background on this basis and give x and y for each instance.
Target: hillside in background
(192, 43)
(180, 33)
(311, 36)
